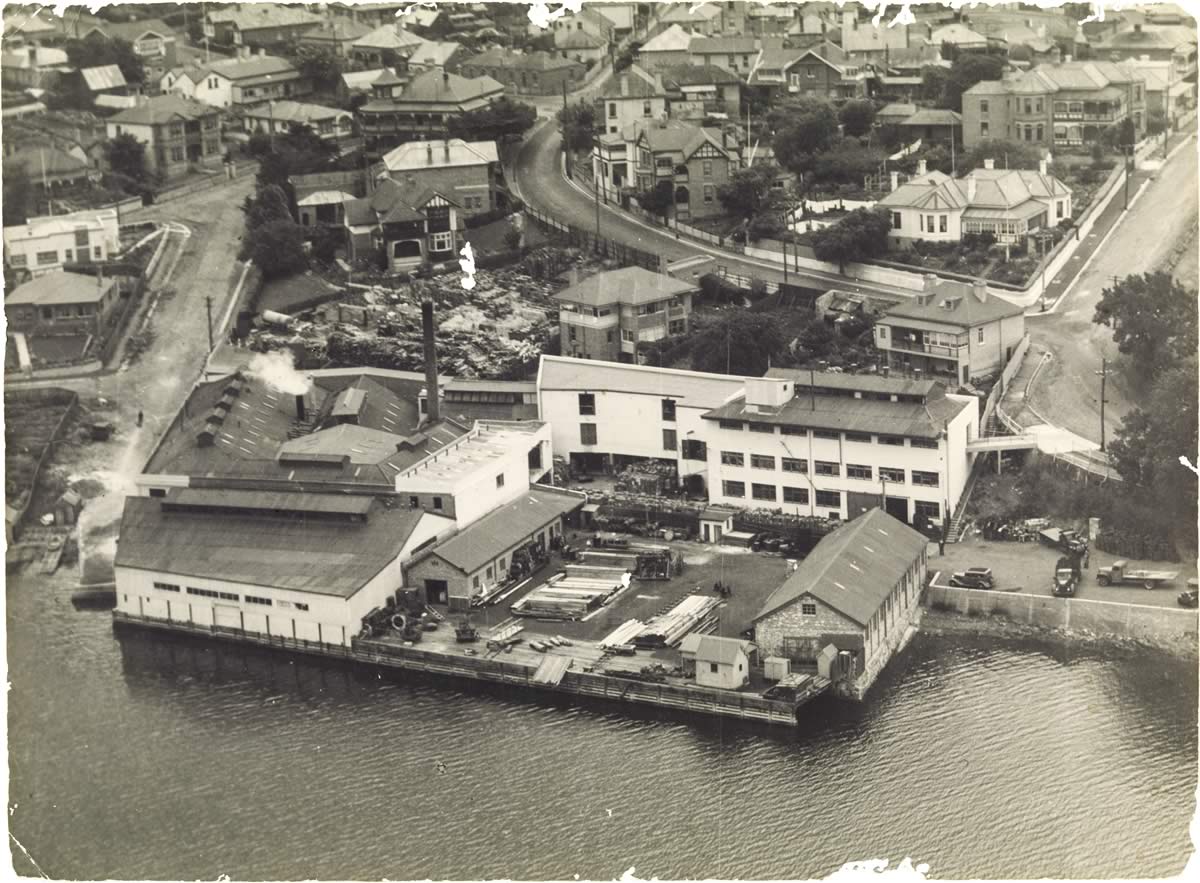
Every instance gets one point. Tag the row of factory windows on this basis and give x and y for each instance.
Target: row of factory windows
(799, 495)
(587, 402)
(825, 467)
(834, 435)
(228, 596)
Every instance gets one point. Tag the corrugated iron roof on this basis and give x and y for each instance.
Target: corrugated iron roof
(106, 76)
(693, 389)
(60, 287)
(853, 569)
(628, 285)
(723, 651)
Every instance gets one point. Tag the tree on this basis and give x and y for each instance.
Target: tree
(97, 50)
(18, 195)
(1147, 446)
(803, 127)
(739, 342)
(748, 191)
(126, 157)
(856, 117)
(846, 162)
(269, 204)
(320, 66)
(1007, 154)
(578, 122)
(1156, 121)
(859, 236)
(933, 82)
(658, 199)
(276, 247)
(502, 120)
(967, 70)
(626, 57)
(1120, 136)
(543, 42)
(1153, 319)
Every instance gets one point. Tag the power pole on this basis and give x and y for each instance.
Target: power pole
(1103, 372)
(208, 308)
(596, 193)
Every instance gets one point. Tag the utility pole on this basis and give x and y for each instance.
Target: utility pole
(596, 193)
(1103, 372)
(1125, 150)
(208, 308)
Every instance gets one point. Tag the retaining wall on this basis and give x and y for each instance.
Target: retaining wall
(1163, 626)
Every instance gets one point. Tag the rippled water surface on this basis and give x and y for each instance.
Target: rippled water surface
(150, 757)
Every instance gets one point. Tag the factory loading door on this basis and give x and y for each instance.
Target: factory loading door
(436, 591)
(897, 507)
(227, 617)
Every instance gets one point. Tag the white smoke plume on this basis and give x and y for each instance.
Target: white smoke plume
(277, 370)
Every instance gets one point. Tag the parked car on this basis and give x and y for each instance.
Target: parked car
(973, 578)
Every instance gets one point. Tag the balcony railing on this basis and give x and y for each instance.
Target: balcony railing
(573, 318)
(930, 349)
(676, 312)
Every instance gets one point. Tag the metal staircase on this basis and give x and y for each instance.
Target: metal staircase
(959, 522)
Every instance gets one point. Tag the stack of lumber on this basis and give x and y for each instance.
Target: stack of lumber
(667, 629)
(571, 597)
(623, 634)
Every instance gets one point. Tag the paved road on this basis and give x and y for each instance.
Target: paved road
(540, 183)
(1067, 390)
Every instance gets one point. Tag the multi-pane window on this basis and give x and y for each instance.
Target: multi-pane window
(668, 410)
(864, 437)
(255, 599)
(795, 495)
(730, 424)
(47, 257)
(928, 509)
(808, 608)
(886, 473)
(832, 499)
(587, 403)
(925, 479)
(791, 464)
(670, 442)
(733, 458)
(979, 337)
(824, 467)
(862, 473)
(587, 433)
(733, 488)
(763, 492)
(896, 440)
(826, 433)
(792, 430)
(764, 428)
(762, 461)
(166, 587)
(923, 442)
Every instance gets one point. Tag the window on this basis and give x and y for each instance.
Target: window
(587, 433)
(19, 260)
(500, 480)
(979, 336)
(710, 194)
(925, 479)
(67, 255)
(862, 473)
(177, 154)
(670, 440)
(929, 510)
(694, 450)
(730, 424)
(791, 464)
(894, 440)
(676, 326)
(1038, 105)
(668, 410)
(824, 467)
(1059, 206)
(929, 223)
(587, 403)
(203, 593)
(1041, 132)
(832, 499)
(413, 502)
(707, 168)
(895, 220)
(864, 437)
(733, 488)
(810, 72)
(441, 241)
(763, 492)
(887, 473)
(230, 596)
(941, 223)
(825, 433)
(713, 667)
(793, 430)
(923, 443)
(795, 495)
(808, 608)
(47, 257)
(983, 106)
(983, 129)
(81, 236)
(437, 503)
(732, 458)
(254, 599)
(1028, 106)
(299, 606)
(166, 587)
(762, 461)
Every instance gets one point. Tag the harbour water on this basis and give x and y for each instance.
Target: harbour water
(156, 757)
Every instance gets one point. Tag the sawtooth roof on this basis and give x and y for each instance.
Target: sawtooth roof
(854, 568)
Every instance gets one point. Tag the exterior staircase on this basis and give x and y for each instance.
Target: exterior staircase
(959, 522)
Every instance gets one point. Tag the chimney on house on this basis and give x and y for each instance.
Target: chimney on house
(301, 413)
(446, 149)
(1055, 55)
(922, 167)
(1042, 166)
(979, 289)
(445, 77)
(970, 188)
(929, 283)
(895, 176)
(658, 84)
(625, 87)
(989, 163)
(429, 152)
(432, 394)
(1137, 29)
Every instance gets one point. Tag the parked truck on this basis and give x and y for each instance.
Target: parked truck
(1120, 574)
(1064, 540)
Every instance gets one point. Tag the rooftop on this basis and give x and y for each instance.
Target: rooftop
(106, 76)
(438, 87)
(632, 83)
(673, 39)
(295, 112)
(677, 136)
(529, 61)
(416, 155)
(1012, 191)
(325, 544)
(500, 530)
(389, 36)
(252, 16)
(692, 389)
(60, 287)
(487, 442)
(337, 30)
(930, 116)
(164, 108)
(854, 568)
(954, 303)
(628, 285)
(698, 75)
(431, 53)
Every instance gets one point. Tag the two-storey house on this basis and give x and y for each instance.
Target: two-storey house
(526, 73)
(608, 315)
(384, 45)
(468, 172)
(424, 108)
(180, 134)
(820, 71)
(63, 303)
(152, 39)
(671, 47)
(632, 96)
(238, 82)
(693, 159)
(695, 91)
(411, 223)
(951, 331)
(336, 36)
(43, 245)
(736, 54)
(705, 19)
(278, 118)
(259, 25)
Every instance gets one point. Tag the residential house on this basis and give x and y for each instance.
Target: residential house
(933, 126)
(383, 46)
(824, 445)
(1166, 93)
(1173, 43)
(961, 38)
(63, 303)
(820, 71)
(278, 117)
(431, 23)
(259, 25)
(423, 109)
(45, 244)
(611, 166)
(952, 330)
(106, 79)
(693, 159)
(336, 36)
(860, 34)
(180, 134)
(633, 96)
(625, 18)
(152, 39)
(894, 113)
(705, 19)
(695, 91)
(531, 73)
(848, 606)
(581, 46)
(321, 196)
(668, 49)
(468, 172)
(32, 26)
(587, 20)
(736, 54)
(444, 55)
(769, 20)
(381, 83)
(51, 167)
(1008, 203)
(606, 316)
(1058, 105)
(238, 82)
(371, 14)
(413, 224)
(33, 67)
(723, 663)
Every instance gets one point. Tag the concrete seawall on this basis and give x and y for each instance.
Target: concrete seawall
(1171, 628)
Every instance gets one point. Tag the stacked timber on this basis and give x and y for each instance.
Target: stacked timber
(668, 629)
(571, 597)
(622, 634)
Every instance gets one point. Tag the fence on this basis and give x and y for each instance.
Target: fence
(588, 241)
(1006, 378)
(249, 169)
(746, 283)
(50, 396)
